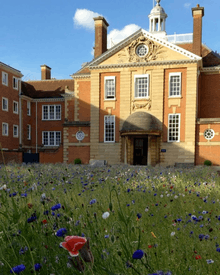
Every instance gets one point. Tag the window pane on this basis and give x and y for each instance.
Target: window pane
(110, 88)
(173, 127)
(51, 112)
(175, 85)
(109, 128)
(141, 87)
(45, 112)
(58, 115)
(51, 138)
(45, 138)
(58, 140)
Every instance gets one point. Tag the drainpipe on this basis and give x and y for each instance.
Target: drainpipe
(36, 127)
(20, 140)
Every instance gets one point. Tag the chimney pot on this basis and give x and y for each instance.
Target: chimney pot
(45, 72)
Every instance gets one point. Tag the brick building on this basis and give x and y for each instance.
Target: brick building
(150, 99)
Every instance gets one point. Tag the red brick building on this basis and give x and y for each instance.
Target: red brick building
(150, 99)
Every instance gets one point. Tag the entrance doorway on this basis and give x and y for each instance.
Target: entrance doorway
(140, 151)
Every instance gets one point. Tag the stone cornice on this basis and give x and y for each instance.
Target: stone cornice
(208, 120)
(141, 64)
(81, 76)
(211, 69)
(12, 70)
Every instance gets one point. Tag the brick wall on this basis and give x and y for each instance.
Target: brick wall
(209, 94)
(9, 117)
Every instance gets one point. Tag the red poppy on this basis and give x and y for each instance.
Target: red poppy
(73, 244)
(149, 246)
(30, 205)
(198, 257)
(44, 221)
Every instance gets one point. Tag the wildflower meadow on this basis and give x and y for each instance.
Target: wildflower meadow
(76, 219)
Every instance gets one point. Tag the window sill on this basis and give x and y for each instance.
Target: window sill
(170, 97)
(141, 98)
(110, 99)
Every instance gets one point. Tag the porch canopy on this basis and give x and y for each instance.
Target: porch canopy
(141, 123)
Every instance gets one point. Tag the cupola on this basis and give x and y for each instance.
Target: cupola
(157, 20)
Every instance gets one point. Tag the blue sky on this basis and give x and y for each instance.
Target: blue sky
(60, 34)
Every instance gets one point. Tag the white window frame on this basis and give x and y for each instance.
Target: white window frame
(180, 92)
(47, 109)
(168, 140)
(28, 108)
(110, 78)
(4, 123)
(5, 74)
(3, 104)
(15, 102)
(15, 126)
(107, 141)
(137, 76)
(55, 138)
(15, 81)
(28, 131)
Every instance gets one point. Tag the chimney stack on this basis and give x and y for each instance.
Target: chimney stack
(101, 26)
(197, 13)
(45, 72)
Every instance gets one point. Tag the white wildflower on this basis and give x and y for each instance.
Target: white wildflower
(172, 234)
(105, 215)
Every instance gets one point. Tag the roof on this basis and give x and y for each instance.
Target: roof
(46, 88)
(140, 121)
(11, 68)
(209, 57)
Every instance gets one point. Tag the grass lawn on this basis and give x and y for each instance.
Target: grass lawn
(131, 220)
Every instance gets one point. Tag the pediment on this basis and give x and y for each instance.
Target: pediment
(132, 51)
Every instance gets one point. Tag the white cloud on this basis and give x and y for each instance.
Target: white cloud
(84, 18)
(187, 5)
(118, 35)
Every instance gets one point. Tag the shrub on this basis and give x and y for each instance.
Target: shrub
(207, 162)
(77, 161)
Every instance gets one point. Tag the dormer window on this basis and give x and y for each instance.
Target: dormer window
(109, 87)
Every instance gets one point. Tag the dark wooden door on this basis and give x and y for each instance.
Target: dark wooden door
(140, 151)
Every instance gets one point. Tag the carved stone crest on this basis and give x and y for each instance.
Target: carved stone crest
(153, 52)
(146, 105)
(129, 54)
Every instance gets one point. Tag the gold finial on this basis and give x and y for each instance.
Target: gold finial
(158, 2)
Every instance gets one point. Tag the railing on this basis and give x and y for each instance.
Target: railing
(180, 38)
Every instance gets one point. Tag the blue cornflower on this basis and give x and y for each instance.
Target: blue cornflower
(56, 207)
(106, 236)
(138, 254)
(13, 194)
(32, 218)
(46, 212)
(218, 249)
(61, 232)
(17, 269)
(133, 201)
(128, 190)
(139, 215)
(179, 220)
(24, 195)
(128, 204)
(201, 236)
(155, 194)
(37, 267)
(92, 201)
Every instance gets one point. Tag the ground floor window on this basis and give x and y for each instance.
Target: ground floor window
(174, 128)
(109, 128)
(51, 138)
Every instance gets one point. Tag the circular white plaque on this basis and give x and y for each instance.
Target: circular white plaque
(80, 135)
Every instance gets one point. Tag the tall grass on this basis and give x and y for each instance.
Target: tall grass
(162, 212)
